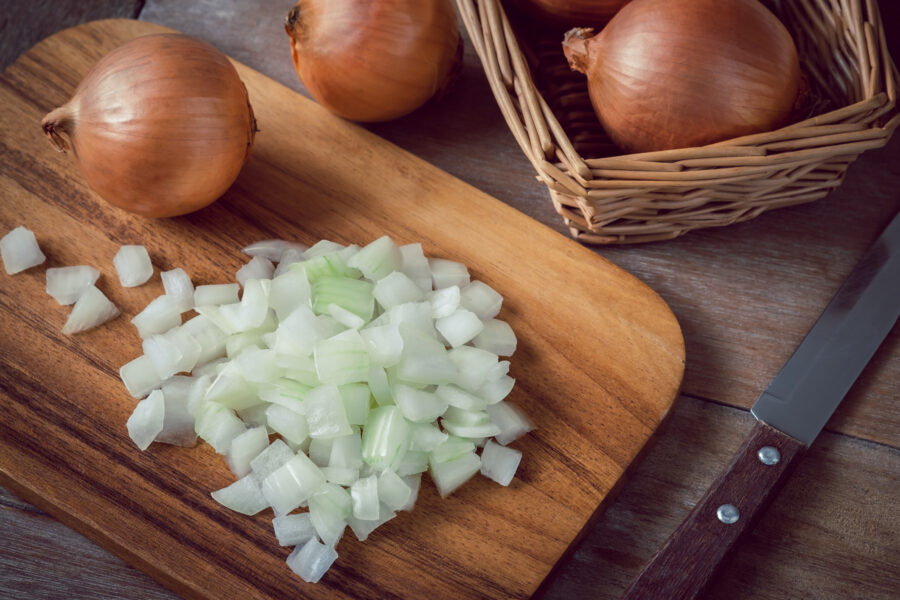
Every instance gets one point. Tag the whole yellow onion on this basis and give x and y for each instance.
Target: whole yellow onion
(678, 73)
(160, 126)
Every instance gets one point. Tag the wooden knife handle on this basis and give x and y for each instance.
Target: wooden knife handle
(685, 564)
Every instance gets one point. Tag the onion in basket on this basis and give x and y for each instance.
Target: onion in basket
(678, 73)
(374, 60)
(160, 126)
(372, 365)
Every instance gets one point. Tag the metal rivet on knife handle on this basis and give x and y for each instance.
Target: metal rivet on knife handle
(769, 455)
(728, 514)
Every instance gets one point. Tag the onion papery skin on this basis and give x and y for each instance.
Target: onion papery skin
(572, 13)
(667, 74)
(161, 126)
(374, 60)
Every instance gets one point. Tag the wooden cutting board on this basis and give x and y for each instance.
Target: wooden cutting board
(599, 362)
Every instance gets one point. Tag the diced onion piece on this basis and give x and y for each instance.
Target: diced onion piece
(393, 492)
(287, 423)
(396, 288)
(270, 459)
(218, 426)
(271, 249)
(424, 360)
(385, 437)
(364, 494)
(299, 332)
(481, 299)
(473, 366)
(380, 386)
(418, 406)
(244, 448)
(216, 294)
(140, 376)
(92, 308)
(414, 315)
(378, 259)
(459, 327)
(499, 462)
(445, 273)
(346, 451)
(414, 482)
(320, 451)
(289, 257)
(178, 424)
(244, 496)
(329, 508)
(233, 391)
(19, 250)
(178, 285)
(456, 396)
(415, 265)
(325, 413)
(292, 484)
(133, 265)
(290, 290)
(384, 344)
(451, 449)
(496, 390)
(497, 337)
(344, 476)
(354, 295)
(159, 316)
(66, 284)
(146, 421)
(345, 317)
(258, 365)
(293, 529)
(449, 475)
(356, 397)
(208, 335)
(342, 359)
(363, 528)
(259, 267)
(312, 560)
(164, 354)
(473, 432)
(323, 248)
(425, 437)
(510, 419)
(444, 301)
(197, 394)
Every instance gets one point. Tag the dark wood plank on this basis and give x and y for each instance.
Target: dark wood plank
(23, 24)
(745, 295)
(831, 534)
(42, 558)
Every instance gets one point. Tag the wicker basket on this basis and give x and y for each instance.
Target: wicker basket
(608, 198)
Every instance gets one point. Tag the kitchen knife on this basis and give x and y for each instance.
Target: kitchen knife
(790, 414)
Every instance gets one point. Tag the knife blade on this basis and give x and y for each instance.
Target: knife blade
(790, 414)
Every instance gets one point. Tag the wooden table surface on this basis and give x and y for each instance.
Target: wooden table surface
(745, 296)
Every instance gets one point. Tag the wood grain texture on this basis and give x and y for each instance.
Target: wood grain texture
(831, 534)
(596, 394)
(745, 295)
(690, 558)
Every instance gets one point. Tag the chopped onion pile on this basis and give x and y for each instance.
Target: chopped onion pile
(369, 366)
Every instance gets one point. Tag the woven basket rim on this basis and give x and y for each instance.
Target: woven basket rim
(581, 188)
